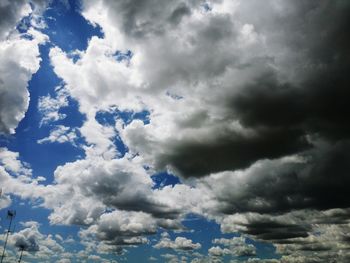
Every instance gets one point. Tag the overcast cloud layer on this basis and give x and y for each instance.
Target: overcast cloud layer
(246, 102)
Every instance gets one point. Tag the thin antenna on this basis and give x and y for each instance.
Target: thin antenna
(20, 256)
(11, 215)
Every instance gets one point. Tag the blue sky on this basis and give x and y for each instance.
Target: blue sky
(173, 132)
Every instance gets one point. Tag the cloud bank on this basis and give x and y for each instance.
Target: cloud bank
(246, 103)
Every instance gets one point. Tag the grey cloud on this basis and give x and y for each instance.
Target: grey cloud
(296, 89)
(29, 244)
(123, 188)
(181, 11)
(145, 18)
(232, 151)
(287, 92)
(294, 84)
(284, 185)
(297, 234)
(31, 240)
(10, 14)
(120, 229)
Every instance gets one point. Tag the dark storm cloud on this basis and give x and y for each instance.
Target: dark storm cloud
(275, 231)
(157, 210)
(320, 182)
(283, 112)
(233, 151)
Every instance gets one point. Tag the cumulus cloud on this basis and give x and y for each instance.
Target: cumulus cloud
(118, 183)
(180, 243)
(250, 110)
(120, 228)
(237, 246)
(31, 240)
(261, 104)
(20, 60)
(254, 104)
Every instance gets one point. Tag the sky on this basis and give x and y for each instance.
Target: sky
(175, 131)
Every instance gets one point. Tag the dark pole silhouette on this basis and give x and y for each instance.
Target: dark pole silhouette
(20, 256)
(10, 214)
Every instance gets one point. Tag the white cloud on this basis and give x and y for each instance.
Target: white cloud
(61, 134)
(31, 240)
(20, 59)
(49, 106)
(10, 161)
(180, 243)
(218, 251)
(238, 246)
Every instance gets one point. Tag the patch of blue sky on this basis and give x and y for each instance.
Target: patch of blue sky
(108, 118)
(67, 28)
(143, 252)
(164, 179)
(73, 116)
(207, 7)
(203, 231)
(126, 56)
(24, 25)
(129, 116)
(264, 250)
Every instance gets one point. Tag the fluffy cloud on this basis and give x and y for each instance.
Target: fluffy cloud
(31, 240)
(308, 235)
(118, 183)
(237, 246)
(120, 228)
(49, 107)
(243, 101)
(180, 243)
(11, 13)
(250, 110)
(263, 86)
(20, 59)
(61, 134)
